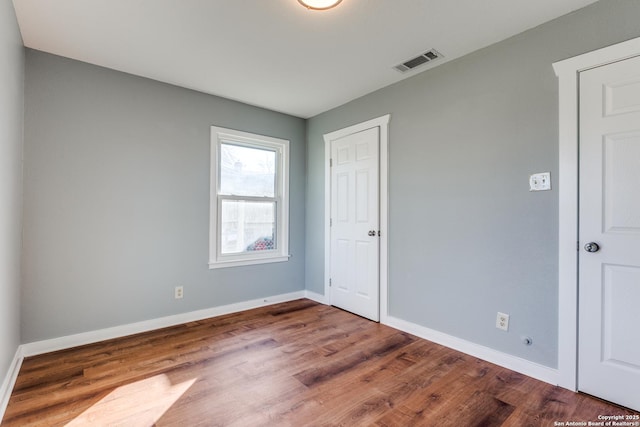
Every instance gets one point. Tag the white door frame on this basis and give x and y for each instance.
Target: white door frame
(383, 123)
(568, 72)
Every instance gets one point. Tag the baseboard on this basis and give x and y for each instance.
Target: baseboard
(523, 366)
(10, 381)
(316, 297)
(526, 367)
(61, 343)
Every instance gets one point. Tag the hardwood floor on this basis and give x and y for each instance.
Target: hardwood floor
(292, 364)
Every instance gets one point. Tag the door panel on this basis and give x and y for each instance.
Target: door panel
(362, 196)
(342, 197)
(621, 293)
(609, 215)
(363, 279)
(621, 180)
(354, 216)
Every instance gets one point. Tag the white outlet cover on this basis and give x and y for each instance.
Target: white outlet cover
(502, 321)
(178, 292)
(540, 181)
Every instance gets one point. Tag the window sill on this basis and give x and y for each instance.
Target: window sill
(244, 262)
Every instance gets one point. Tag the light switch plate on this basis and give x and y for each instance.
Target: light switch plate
(540, 181)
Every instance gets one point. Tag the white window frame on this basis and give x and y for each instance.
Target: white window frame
(219, 136)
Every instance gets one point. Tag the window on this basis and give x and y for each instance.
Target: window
(249, 210)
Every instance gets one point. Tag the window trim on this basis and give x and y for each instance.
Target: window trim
(219, 136)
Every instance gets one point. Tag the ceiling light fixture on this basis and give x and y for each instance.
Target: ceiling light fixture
(319, 4)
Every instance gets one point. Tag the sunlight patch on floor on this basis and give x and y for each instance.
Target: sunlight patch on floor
(141, 403)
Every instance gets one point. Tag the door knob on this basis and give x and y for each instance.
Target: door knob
(372, 233)
(592, 247)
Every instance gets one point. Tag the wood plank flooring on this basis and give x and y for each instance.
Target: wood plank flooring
(293, 364)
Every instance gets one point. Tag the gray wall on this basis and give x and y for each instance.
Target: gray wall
(11, 107)
(467, 238)
(117, 199)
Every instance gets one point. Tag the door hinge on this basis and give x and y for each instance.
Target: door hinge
(330, 222)
(329, 282)
(578, 246)
(330, 163)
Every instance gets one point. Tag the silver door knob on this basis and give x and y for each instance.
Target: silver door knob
(592, 247)
(372, 233)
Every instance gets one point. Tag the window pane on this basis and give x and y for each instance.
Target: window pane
(247, 226)
(247, 171)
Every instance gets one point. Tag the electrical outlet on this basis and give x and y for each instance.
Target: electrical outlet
(502, 321)
(178, 292)
(540, 181)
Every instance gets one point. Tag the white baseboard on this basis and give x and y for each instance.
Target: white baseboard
(523, 366)
(316, 297)
(10, 381)
(526, 367)
(61, 343)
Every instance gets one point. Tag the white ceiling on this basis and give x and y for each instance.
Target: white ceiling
(275, 53)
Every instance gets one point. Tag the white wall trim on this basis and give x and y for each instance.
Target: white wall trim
(568, 72)
(383, 123)
(322, 299)
(54, 344)
(10, 380)
(514, 363)
(525, 367)
(517, 364)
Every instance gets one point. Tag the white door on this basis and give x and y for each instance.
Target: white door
(354, 220)
(609, 273)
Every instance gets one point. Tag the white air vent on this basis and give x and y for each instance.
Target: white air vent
(412, 63)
